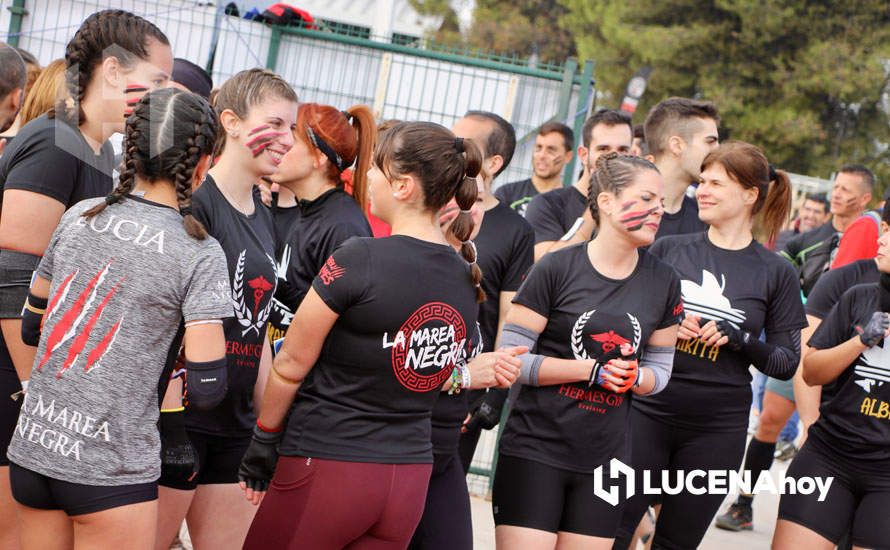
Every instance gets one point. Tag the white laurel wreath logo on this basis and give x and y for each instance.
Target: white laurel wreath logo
(242, 313)
(577, 335)
(577, 344)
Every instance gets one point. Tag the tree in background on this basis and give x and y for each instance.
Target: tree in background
(805, 80)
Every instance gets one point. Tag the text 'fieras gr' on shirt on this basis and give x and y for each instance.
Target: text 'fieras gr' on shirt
(407, 309)
(122, 282)
(249, 245)
(753, 289)
(856, 420)
(577, 426)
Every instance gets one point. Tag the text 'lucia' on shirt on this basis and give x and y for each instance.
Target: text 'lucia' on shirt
(589, 316)
(404, 308)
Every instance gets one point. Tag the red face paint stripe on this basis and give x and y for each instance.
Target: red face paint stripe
(637, 216)
(134, 101)
(258, 129)
(81, 341)
(626, 206)
(269, 136)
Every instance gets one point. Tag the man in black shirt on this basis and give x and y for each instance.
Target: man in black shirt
(553, 150)
(560, 217)
(812, 252)
(12, 84)
(504, 244)
(813, 213)
(679, 133)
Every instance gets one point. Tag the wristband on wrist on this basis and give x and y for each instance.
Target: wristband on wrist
(594, 373)
(465, 377)
(639, 381)
(456, 381)
(265, 429)
(174, 410)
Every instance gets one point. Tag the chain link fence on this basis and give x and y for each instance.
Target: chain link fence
(399, 79)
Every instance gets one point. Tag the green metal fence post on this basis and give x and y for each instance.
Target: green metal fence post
(15, 22)
(584, 92)
(274, 45)
(565, 92)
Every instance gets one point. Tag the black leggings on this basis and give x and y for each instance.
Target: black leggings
(446, 523)
(657, 446)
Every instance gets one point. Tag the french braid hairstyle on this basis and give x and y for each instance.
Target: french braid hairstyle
(166, 136)
(612, 174)
(446, 167)
(103, 34)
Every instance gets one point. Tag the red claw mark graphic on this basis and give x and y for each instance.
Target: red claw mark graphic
(61, 294)
(67, 325)
(99, 351)
(81, 341)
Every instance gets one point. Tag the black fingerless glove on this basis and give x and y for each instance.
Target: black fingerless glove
(258, 465)
(737, 338)
(179, 459)
(487, 413)
(875, 329)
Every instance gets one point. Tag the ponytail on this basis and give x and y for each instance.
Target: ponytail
(465, 195)
(366, 129)
(777, 207)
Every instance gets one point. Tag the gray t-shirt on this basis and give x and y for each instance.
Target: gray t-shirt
(121, 284)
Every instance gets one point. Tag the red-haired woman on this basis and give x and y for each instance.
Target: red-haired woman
(327, 141)
(54, 162)
(733, 289)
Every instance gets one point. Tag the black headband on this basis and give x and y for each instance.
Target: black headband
(328, 151)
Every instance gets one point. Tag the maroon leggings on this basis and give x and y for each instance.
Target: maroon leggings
(329, 504)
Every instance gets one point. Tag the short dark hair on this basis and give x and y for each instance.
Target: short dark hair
(609, 117)
(671, 117)
(639, 131)
(821, 198)
(28, 57)
(501, 140)
(868, 177)
(568, 136)
(13, 73)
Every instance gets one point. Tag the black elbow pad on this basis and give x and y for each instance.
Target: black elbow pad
(32, 319)
(206, 383)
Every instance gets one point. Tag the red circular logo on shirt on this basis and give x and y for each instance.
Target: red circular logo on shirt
(426, 347)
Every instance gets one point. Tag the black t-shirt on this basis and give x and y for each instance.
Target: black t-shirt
(832, 285)
(555, 212)
(451, 409)
(517, 195)
(811, 254)
(576, 426)
(752, 288)
(280, 316)
(51, 157)
(317, 229)
(683, 221)
(406, 311)
(249, 244)
(505, 244)
(856, 421)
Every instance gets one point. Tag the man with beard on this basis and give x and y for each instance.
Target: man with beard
(553, 150)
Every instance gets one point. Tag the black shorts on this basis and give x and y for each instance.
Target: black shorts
(858, 497)
(218, 460)
(45, 493)
(9, 407)
(16, 269)
(534, 495)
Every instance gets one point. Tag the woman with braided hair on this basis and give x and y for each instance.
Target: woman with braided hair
(257, 112)
(327, 141)
(85, 454)
(56, 161)
(601, 318)
(387, 323)
(733, 289)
